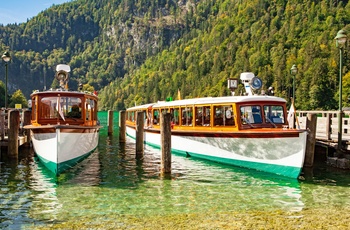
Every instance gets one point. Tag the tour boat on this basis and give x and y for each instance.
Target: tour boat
(249, 131)
(64, 126)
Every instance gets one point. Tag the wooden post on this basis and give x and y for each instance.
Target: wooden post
(110, 122)
(328, 126)
(2, 124)
(165, 133)
(14, 122)
(27, 116)
(122, 127)
(139, 134)
(311, 123)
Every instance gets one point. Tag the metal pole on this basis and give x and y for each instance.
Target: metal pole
(294, 89)
(6, 84)
(44, 81)
(340, 116)
(294, 100)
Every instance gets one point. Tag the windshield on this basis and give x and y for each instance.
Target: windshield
(60, 107)
(252, 114)
(274, 113)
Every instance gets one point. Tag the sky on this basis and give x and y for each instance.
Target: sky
(18, 11)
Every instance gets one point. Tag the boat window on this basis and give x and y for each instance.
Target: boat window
(175, 116)
(251, 114)
(274, 113)
(203, 116)
(48, 107)
(131, 116)
(60, 107)
(223, 115)
(145, 118)
(149, 117)
(187, 115)
(156, 117)
(34, 109)
(90, 109)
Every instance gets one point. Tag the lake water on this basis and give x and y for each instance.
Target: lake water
(111, 183)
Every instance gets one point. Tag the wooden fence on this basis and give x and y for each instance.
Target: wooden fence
(327, 124)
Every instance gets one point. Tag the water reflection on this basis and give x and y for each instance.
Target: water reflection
(325, 186)
(130, 186)
(194, 185)
(22, 189)
(43, 188)
(86, 173)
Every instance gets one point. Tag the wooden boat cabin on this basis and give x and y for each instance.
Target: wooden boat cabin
(219, 113)
(64, 107)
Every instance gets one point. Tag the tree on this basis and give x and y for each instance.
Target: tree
(18, 98)
(88, 88)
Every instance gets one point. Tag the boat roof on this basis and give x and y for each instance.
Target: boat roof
(56, 92)
(145, 106)
(212, 100)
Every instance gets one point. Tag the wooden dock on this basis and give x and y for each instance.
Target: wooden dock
(327, 127)
(327, 136)
(12, 135)
(21, 141)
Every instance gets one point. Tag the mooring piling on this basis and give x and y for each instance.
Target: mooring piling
(122, 126)
(2, 124)
(27, 116)
(311, 124)
(165, 132)
(13, 131)
(139, 134)
(110, 122)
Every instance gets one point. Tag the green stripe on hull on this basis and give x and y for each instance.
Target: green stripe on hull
(61, 167)
(287, 171)
(48, 164)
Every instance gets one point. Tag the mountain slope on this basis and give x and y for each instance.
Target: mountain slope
(101, 40)
(264, 37)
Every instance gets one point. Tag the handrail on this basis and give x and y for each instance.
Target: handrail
(324, 113)
(327, 124)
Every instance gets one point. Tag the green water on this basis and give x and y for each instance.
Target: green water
(112, 183)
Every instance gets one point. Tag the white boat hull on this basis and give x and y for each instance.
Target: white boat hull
(275, 153)
(60, 148)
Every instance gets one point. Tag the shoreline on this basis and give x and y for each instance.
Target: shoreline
(319, 218)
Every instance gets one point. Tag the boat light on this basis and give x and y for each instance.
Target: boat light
(256, 83)
(62, 75)
(250, 82)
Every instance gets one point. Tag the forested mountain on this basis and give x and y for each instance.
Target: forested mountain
(140, 51)
(101, 40)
